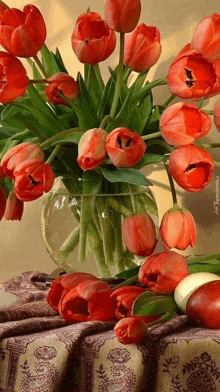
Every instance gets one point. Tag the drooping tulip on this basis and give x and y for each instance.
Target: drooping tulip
(191, 167)
(92, 149)
(122, 15)
(61, 83)
(142, 48)
(183, 123)
(22, 33)
(92, 40)
(32, 179)
(14, 207)
(130, 330)
(178, 229)
(13, 78)
(124, 147)
(139, 234)
(162, 272)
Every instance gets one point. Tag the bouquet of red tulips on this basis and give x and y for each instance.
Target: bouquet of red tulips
(54, 124)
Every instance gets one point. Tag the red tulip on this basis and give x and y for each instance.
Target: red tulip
(124, 147)
(91, 149)
(90, 300)
(122, 15)
(139, 234)
(63, 284)
(130, 330)
(62, 83)
(22, 33)
(206, 37)
(142, 48)
(13, 78)
(191, 167)
(32, 179)
(162, 272)
(14, 207)
(203, 306)
(3, 8)
(217, 115)
(3, 199)
(178, 229)
(92, 40)
(183, 123)
(18, 154)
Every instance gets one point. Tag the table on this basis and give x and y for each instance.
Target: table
(41, 352)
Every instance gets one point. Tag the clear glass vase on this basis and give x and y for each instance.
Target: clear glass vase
(83, 232)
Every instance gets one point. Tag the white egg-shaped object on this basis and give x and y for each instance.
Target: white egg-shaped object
(189, 284)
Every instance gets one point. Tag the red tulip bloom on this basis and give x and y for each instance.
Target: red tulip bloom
(217, 115)
(20, 153)
(62, 285)
(32, 179)
(130, 330)
(183, 123)
(92, 40)
(122, 15)
(191, 167)
(3, 199)
(139, 234)
(13, 78)
(91, 149)
(206, 37)
(162, 272)
(62, 83)
(178, 229)
(124, 147)
(14, 207)
(22, 33)
(90, 300)
(3, 8)
(142, 48)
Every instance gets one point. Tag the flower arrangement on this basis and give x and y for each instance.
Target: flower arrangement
(102, 134)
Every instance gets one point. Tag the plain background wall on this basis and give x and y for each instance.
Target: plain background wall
(21, 245)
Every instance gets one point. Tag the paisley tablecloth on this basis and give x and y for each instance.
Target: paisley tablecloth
(40, 352)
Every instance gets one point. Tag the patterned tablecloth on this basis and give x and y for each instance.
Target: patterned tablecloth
(40, 352)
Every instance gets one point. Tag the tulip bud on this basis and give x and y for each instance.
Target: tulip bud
(178, 229)
(130, 330)
(191, 167)
(142, 48)
(21, 152)
(122, 15)
(162, 272)
(183, 123)
(124, 147)
(32, 179)
(206, 37)
(139, 234)
(92, 40)
(14, 207)
(91, 149)
(62, 83)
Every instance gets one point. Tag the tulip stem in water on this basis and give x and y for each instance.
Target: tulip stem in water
(171, 185)
(119, 76)
(41, 67)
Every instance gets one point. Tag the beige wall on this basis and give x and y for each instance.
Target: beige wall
(21, 246)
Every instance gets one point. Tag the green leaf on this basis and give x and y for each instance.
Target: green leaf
(36, 75)
(148, 159)
(124, 88)
(213, 267)
(128, 273)
(9, 111)
(86, 100)
(129, 175)
(47, 60)
(141, 93)
(86, 73)
(86, 120)
(70, 138)
(59, 61)
(105, 103)
(153, 121)
(140, 80)
(149, 304)
(7, 132)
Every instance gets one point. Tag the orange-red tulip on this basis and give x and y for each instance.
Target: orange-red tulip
(92, 40)
(22, 33)
(13, 78)
(191, 167)
(162, 272)
(3, 199)
(124, 147)
(178, 229)
(91, 149)
(183, 123)
(139, 234)
(14, 207)
(18, 154)
(32, 179)
(122, 15)
(130, 330)
(61, 83)
(142, 48)
(3, 8)
(206, 37)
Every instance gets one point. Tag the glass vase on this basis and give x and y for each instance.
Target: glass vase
(83, 232)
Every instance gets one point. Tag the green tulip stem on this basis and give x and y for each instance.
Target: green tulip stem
(167, 316)
(105, 231)
(127, 74)
(97, 246)
(119, 250)
(198, 259)
(105, 121)
(83, 230)
(131, 280)
(209, 112)
(53, 154)
(171, 185)
(41, 67)
(119, 79)
(90, 76)
(161, 143)
(170, 99)
(201, 101)
(70, 243)
(151, 136)
(217, 164)
(60, 135)
(133, 201)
